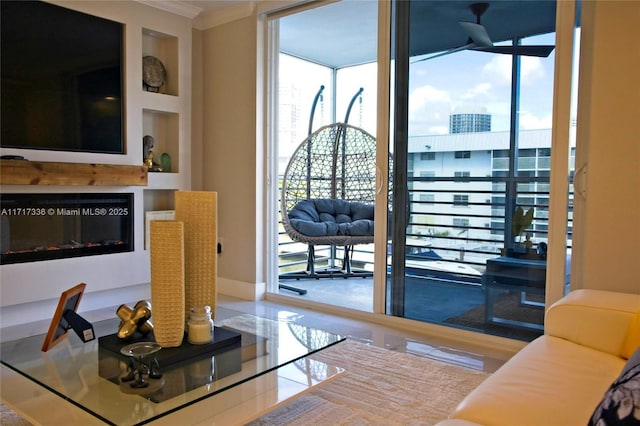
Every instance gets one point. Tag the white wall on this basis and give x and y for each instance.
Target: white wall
(116, 278)
(607, 221)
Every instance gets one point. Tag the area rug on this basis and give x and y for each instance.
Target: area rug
(507, 306)
(379, 387)
(8, 417)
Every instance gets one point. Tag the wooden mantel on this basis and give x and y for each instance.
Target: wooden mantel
(23, 172)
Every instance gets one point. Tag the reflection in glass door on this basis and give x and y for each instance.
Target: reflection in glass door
(473, 146)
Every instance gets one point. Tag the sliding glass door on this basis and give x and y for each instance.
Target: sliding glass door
(324, 69)
(476, 155)
(472, 161)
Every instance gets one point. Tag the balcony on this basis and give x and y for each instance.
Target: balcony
(447, 248)
(463, 185)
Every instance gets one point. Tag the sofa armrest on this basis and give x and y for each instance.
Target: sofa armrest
(594, 318)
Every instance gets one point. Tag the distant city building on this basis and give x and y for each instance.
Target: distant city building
(470, 121)
(454, 188)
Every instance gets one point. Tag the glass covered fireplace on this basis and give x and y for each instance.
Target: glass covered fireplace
(37, 227)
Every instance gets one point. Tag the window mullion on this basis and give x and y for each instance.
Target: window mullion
(511, 184)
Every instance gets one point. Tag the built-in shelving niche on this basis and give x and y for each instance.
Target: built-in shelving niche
(160, 112)
(164, 128)
(165, 48)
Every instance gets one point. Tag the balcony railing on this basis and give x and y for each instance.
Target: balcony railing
(453, 233)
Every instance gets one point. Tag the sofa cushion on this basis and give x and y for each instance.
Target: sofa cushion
(594, 318)
(361, 211)
(315, 229)
(621, 403)
(305, 210)
(551, 381)
(330, 217)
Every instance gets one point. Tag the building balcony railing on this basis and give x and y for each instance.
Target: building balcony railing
(456, 230)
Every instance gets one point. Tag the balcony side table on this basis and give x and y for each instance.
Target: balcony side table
(527, 276)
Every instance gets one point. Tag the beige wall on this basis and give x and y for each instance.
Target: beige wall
(229, 142)
(607, 220)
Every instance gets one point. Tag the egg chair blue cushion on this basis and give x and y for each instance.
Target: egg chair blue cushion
(332, 217)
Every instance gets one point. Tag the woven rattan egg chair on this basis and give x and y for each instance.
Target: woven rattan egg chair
(328, 194)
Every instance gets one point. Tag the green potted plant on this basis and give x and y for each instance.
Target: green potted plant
(521, 221)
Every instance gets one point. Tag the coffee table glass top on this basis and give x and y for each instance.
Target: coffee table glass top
(87, 377)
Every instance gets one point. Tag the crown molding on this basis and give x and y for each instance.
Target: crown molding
(175, 7)
(219, 16)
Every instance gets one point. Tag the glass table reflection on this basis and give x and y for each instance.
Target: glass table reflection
(269, 368)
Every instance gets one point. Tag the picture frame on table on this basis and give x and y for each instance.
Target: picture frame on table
(66, 318)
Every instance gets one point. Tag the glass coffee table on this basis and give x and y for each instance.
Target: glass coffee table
(78, 383)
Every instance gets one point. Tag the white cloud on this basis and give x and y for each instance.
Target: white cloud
(500, 67)
(438, 130)
(529, 121)
(477, 90)
(427, 94)
(428, 108)
(532, 69)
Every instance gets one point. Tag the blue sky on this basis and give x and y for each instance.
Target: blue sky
(462, 81)
(469, 80)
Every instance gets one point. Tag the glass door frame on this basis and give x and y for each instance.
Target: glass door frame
(565, 24)
(558, 203)
(271, 41)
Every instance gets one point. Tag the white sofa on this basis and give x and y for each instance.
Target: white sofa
(560, 377)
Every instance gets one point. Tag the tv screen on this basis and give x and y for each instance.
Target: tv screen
(62, 84)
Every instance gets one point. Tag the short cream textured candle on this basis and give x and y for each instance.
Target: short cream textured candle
(199, 334)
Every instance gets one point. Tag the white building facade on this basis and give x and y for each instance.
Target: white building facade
(458, 187)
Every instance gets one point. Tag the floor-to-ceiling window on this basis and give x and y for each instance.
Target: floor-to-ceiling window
(472, 151)
(475, 138)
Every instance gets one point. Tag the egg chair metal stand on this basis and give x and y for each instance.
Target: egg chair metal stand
(328, 194)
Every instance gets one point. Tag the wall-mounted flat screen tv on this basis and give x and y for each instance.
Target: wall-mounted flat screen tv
(62, 79)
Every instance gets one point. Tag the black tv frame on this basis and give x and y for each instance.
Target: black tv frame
(63, 79)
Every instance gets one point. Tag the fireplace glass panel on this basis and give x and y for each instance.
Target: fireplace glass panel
(37, 227)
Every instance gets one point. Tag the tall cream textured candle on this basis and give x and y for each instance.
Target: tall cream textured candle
(199, 212)
(167, 281)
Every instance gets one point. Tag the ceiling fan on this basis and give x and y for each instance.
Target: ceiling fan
(479, 39)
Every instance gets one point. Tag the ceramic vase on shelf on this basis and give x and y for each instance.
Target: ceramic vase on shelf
(165, 162)
(167, 281)
(198, 210)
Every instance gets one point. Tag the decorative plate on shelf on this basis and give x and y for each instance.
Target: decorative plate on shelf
(153, 73)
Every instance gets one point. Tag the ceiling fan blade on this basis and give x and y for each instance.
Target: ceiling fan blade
(446, 52)
(478, 34)
(541, 51)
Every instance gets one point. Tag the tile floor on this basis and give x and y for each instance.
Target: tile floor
(427, 300)
(452, 352)
(456, 353)
(420, 344)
